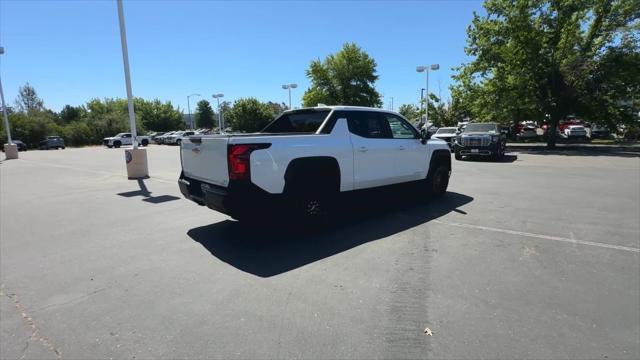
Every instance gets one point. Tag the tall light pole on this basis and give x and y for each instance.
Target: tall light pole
(425, 69)
(217, 97)
(136, 158)
(10, 149)
(289, 87)
(189, 109)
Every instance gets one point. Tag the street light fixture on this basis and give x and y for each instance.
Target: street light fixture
(10, 149)
(189, 109)
(425, 69)
(289, 87)
(217, 97)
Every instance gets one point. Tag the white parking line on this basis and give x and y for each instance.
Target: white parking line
(540, 236)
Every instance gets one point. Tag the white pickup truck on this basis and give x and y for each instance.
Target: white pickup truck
(124, 139)
(307, 159)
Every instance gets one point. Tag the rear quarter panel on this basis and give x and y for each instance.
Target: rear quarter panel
(268, 166)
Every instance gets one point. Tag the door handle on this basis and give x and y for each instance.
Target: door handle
(363, 149)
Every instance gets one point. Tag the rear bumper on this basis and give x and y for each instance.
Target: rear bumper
(239, 199)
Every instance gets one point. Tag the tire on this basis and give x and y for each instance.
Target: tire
(63, 148)
(179, 142)
(117, 144)
(145, 142)
(314, 208)
(438, 180)
(458, 156)
(110, 146)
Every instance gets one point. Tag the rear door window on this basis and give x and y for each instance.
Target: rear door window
(369, 124)
(302, 121)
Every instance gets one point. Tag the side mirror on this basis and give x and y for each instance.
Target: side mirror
(425, 135)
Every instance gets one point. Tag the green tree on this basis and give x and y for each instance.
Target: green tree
(411, 112)
(346, 78)
(204, 115)
(249, 115)
(277, 108)
(71, 113)
(157, 116)
(533, 58)
(28, 100)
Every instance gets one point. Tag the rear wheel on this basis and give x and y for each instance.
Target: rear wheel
(312, 203)
(116, 144)
(145, 142)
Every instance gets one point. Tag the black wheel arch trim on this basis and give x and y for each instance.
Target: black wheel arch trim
(438, 157)
(316, 169)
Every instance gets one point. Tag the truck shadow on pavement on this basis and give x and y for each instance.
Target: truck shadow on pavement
(282, 248)
(146, 194)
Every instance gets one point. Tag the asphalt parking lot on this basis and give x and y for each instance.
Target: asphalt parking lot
(534, 257)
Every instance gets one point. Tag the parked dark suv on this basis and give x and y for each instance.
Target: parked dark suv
(481, 139)
(52, 142)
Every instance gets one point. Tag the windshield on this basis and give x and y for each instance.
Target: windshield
(301, 121)
(446, 131)
(481, 128)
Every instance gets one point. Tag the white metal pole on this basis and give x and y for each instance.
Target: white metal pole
(219, 117)
(289, 97)
(127, 75)
(426, 104)
(5, 117)
(189, 109)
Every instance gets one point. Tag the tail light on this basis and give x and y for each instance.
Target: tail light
(238, 160)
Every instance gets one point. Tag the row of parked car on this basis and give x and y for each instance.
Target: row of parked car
(50, 142)
(175, 137)
(571, 128)
(168, 138)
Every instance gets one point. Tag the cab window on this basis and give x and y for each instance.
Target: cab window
(400, 129)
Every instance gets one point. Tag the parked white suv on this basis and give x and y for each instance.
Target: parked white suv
(176, 138)
(124, 139)
(575, 131)
(307, 159)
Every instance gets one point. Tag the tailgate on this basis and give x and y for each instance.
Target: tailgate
(205, 159)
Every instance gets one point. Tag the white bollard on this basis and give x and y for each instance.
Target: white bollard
(10, 151)
(136, 163)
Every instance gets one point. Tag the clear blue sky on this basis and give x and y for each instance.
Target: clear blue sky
(70, 50)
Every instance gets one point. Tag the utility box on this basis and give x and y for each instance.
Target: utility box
(10, 151)
(137, 167)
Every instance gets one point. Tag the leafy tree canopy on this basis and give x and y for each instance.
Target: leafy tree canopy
(204, 115)
(249, 115)
(534, 59)
(346, 78)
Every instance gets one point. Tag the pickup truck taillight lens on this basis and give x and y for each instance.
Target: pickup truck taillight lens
(238, 160)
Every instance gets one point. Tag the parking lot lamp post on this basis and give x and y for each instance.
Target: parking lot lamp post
(217, 97)
(426, 70)
(189, 109)
(136, 159)
(10, 149)
(289, 87)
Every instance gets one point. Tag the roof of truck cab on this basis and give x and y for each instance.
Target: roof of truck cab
(343, 107)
